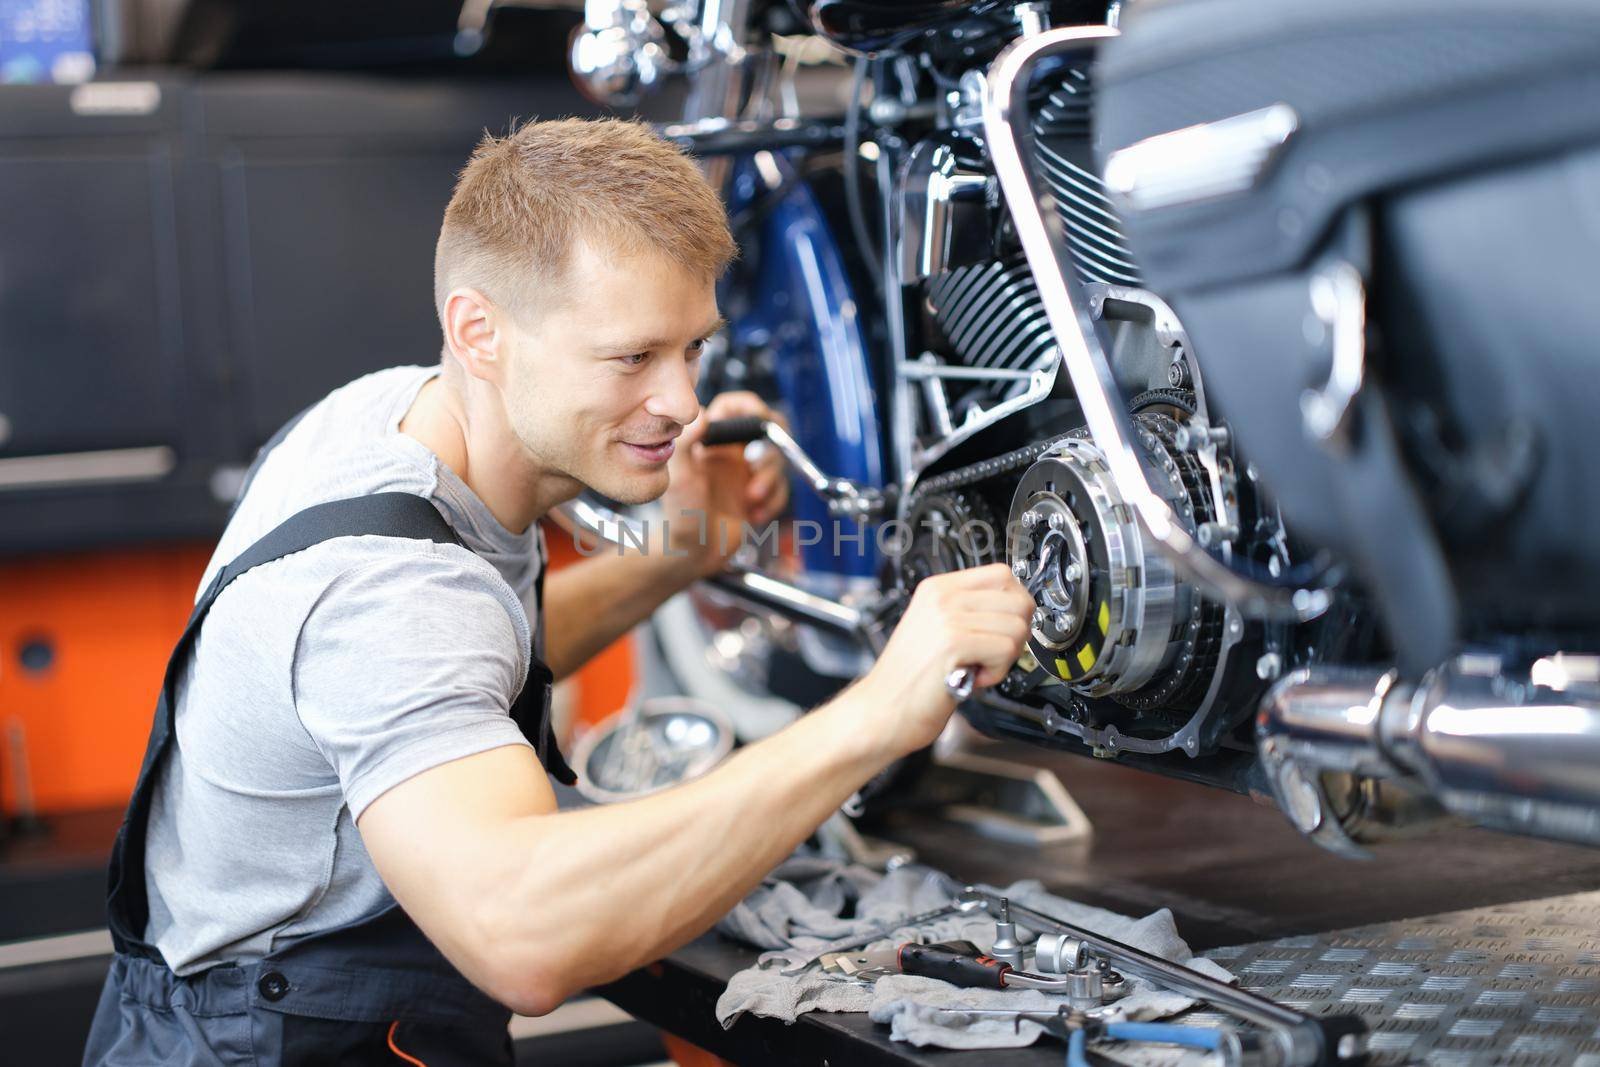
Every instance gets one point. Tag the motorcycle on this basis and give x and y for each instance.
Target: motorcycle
(1252, 341)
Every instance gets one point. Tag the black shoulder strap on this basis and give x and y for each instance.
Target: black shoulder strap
(382, 514)
(387, 514)
(532, 711)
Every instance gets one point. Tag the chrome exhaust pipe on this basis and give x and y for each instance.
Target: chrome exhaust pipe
(1505, 753)
(1354, 756)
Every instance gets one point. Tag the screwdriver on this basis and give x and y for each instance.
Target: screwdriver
(961, 964)
(957, 962)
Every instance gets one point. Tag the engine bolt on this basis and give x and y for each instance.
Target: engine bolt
(1072, 572)
(1030, 519)
(1040, 616)
(1064, 621)
(1269, 666)
(1021, 569)
(1196, 434)
(1058, 521)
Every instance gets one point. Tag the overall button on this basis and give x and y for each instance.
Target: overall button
(273, 985)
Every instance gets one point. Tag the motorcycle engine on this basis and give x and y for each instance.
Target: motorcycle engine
(1125, 648)
(983, 308)
(1113, 618)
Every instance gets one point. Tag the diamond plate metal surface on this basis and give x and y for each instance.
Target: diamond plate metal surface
(1513, 984)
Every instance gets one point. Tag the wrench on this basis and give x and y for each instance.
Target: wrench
(960, 681)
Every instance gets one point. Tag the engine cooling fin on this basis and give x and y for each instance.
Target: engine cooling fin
(990, 313)
(1061, 137)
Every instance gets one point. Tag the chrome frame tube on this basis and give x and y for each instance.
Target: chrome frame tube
(714, 86)
(1004, 104)
(751, 587)
(785, 598)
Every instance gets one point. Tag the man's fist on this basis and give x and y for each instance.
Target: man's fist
(715, 493)
(977, 618)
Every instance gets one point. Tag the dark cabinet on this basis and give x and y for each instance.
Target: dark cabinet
(90, 344)
(186, 263)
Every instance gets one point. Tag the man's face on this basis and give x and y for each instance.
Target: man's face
(601, 383)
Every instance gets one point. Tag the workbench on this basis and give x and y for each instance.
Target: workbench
(1232, 871)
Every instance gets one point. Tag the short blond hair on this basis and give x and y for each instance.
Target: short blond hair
(523, 200)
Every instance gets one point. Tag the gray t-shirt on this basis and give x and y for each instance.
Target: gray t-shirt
(324, 679)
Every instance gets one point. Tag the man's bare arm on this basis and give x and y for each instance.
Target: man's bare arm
(533, 906)
(591, 603)
(714, 494)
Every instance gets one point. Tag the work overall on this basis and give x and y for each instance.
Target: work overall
(374, 991)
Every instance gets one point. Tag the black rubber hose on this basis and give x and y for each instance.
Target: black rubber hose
(852, 176)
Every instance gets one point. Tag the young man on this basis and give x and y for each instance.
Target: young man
(357, 713)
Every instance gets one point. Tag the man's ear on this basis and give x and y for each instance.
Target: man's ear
(474, 333)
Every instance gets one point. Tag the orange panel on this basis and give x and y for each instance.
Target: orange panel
(109, 620)
(605, 682)
(687, 1055)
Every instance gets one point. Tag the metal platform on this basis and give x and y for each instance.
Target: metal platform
(1513, 984)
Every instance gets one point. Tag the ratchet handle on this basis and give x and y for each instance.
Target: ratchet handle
(960, 682)
(736, 431)
(957, 962)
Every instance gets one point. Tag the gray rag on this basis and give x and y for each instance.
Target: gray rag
(796, 914)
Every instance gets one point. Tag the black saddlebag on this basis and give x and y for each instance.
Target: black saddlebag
(1449, 151)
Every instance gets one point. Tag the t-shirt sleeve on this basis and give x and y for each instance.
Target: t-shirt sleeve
(406, 664)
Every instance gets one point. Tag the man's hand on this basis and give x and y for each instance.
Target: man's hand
(720, 485)
(978, 617)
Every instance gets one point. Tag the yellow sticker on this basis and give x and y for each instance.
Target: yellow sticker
(1104, 618)
(1062, 666)
(1086, 657)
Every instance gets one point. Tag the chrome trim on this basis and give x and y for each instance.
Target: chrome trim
(621, 53)
(1202, 162)
(107, 467)
(1478, 744)
(1005, 106)
(1502, 752)
(937, 198)
(1564, 672)
(1040, 384)
(579, 516)
(774, 594)
(715, 54)
(1313, 722)
(1339, 301)
(686, 642)
(928, 368)
(1033, 17)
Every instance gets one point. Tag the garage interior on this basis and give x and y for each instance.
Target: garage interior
(219, 212)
